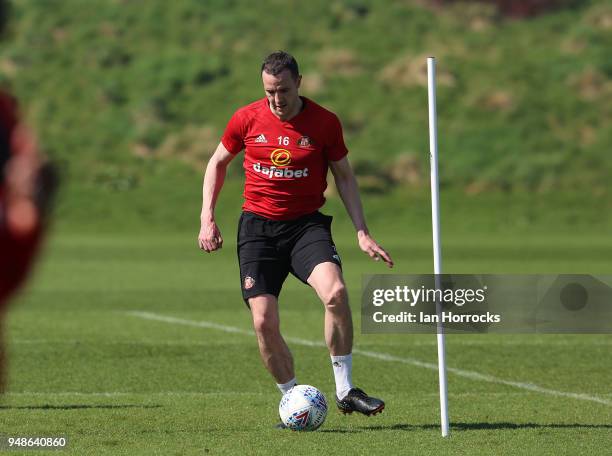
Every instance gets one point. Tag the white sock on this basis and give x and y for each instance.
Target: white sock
(343, 372)
(284, 387)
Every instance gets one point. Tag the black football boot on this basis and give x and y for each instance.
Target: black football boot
(358, 401)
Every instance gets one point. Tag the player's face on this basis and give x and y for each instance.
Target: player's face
(282, 93)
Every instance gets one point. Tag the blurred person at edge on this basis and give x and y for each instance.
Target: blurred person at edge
(25, 190)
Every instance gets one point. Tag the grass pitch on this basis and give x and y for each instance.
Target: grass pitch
(142, 345)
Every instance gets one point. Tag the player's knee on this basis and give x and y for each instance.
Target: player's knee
(265, 325)
(336, 299)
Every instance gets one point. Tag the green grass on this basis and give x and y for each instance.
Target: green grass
(523, 105)
(115, 383)
(103, 81)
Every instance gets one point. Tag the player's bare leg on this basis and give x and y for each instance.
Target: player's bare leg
(326, 279)
(274, 351)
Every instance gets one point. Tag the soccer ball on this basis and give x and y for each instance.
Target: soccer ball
(303, 408)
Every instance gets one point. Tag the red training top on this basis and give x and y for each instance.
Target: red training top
(285, 163)
(16, 252)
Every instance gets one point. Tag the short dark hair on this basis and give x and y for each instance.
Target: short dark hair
(279, 61)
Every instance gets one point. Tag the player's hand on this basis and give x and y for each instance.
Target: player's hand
(210, 238)
(21, 172)
(375, 251)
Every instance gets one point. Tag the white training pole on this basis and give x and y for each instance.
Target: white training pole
(435, 219)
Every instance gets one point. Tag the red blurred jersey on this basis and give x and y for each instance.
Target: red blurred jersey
(16, 252)
(285, 163)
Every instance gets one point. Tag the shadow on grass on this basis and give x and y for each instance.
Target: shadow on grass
(471, 427)
(74, 407)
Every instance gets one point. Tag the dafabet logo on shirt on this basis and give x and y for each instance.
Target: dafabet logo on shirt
(280, 158)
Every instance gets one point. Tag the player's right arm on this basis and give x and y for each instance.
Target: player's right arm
(209, 238)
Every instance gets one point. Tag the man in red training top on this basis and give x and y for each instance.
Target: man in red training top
(289, 142)
(26, 188)
(20, 223)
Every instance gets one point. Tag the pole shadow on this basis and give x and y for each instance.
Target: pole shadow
(477, 426)
(75, 407)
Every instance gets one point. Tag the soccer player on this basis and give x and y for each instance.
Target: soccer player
(290, 142)
(27, 185)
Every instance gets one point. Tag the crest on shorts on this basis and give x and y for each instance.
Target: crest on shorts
(335, 256)
(248, 282)
(304, 141)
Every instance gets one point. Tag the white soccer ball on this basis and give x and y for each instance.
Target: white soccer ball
(303, 408)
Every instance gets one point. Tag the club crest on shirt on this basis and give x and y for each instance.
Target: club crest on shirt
(304, 141)
(248, 282)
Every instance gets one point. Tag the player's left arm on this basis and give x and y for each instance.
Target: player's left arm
(349, 192)
(30, 183)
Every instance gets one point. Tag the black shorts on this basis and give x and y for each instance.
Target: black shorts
(268, 250)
